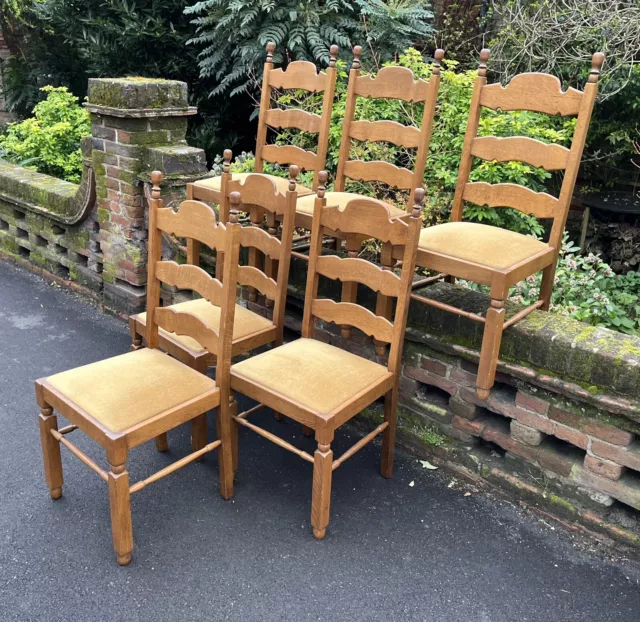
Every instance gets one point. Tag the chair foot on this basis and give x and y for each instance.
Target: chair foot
(319, 534)
(120, 506)
(483, 394)
(490, 350)
(56, 493)
(124, 560)
(278, 416)
(307, 431)
(162, 442)
(51, 452)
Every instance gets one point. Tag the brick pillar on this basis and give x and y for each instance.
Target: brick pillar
(137, 124)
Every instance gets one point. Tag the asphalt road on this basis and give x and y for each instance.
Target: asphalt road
(394, 551)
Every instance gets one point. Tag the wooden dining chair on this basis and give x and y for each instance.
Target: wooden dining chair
(395, 83)
(123, 401)
(490, 255)
(265, 204)
(320, 385)
(299, 75)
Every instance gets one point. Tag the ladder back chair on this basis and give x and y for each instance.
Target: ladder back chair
(395, 83)
(320, 385)
(124, 401)
(490, 255)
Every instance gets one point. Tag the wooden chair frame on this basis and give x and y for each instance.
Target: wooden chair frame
(529, 91)
(301, 75)
(193, 219)
(369, 218)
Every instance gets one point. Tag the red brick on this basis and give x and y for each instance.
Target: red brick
(626, 456)
(575, 437)
(471, 396)
(559, 462)
(603, 467)
(502, 438)
(526, 434)
(531, 403)
(625, 489)
(408, 385)
(475, 428)
(426, 377)
(434, 366)
(463, 377)
(464, 409)
(112, 184)
(534, 420)
(592, 427)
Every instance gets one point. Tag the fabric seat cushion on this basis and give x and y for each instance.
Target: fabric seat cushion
(305, 204)
(481, 244)
(317, 375)
(282, 183)
(125, 390)
(245, 322)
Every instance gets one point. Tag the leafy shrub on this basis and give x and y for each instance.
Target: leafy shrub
(50, 141)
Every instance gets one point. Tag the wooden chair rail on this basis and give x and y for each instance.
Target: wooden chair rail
(393, 83)
(525, 200)
(365, 440)
(445, 307)
(174, 466)
(78, 453)
(67, 429)
(378, 170)
(182, 323)
(260, 239)
(298, 255)
(361, 271)
(193, 220)
(274, 439)
(300, 74)
(253, 277)
(538, 92)
(190, 277)
(289, 154)
(428, 280)
(551, 157)
(350, 314)
(386, 131)
(246, 413)
(524, 312)
(296, 118)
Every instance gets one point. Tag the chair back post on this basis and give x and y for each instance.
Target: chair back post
(327, 106)
(471, 132)
(154, 256)
(265, 101)
(408, 269)
(225, 180)
(350, 109)
(311, 292)
(427, 124)
(575, 154)
(284, 263)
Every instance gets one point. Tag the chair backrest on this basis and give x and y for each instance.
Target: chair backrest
(266, 206)
(193, 220)
(390, 83)
(368, 218)
(298, 75)
(537, 92)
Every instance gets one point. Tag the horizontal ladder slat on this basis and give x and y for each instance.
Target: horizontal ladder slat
(359, 445)
(190, 277)
(551, 157)
(78, 453)
(352, 269)
(393, 83)
(377, 170)
(193, 220)
(300, 74)
(260, 239)
(290, 154)
(386, 131)
(261, 190)
(299, 119)
(252, 277)
(182, 323)
(349, 314)
(538, 204)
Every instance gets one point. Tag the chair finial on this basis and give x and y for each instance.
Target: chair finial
(597, 60)
(294, 171)
(437, 60)
(156, 180)
(333, 55)
(226, 163)
(271, 48)
(418, 200)
(357, 53)
(322, 182)
(485, 53)
(234, 199)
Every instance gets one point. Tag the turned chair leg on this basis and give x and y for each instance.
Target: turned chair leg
(389, 435)
(225, 451)
(136, 338)
(120, 502)
(490, 348)
(546, 287)
(321, 495)
(233, 412)
(350, 288)
(384, 304)
(199, 434)
(51, 452)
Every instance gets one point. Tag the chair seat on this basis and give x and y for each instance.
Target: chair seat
(123, 391)
(305, 204)
(245, 322)
(482, 244)
(282, 183)
(314, 374)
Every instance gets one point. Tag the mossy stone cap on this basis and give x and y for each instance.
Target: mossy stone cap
(137, 93)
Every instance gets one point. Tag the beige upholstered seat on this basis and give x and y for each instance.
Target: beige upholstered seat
(245, 322)
(482, 244)
(125, 390)
(314, 374)
(305, 204)
(282, 183)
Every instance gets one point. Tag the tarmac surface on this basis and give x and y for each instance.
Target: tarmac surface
(415, 547)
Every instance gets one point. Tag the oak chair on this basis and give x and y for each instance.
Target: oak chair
(299, 75)
(320, 385)
(129, 399)
(396, 83)
(496, 257)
